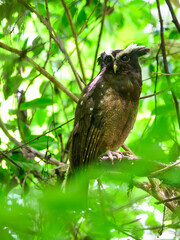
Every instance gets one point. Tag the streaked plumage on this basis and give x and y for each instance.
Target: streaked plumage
(107, 107)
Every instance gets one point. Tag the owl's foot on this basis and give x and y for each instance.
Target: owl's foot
(114, 155)
(119, 155)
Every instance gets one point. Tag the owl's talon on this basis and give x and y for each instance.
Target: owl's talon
(109, 153)
(114, 155)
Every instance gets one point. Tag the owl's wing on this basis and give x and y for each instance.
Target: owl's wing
(87, 131)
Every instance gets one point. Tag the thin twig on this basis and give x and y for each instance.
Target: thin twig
(6, 132)
(56, 39)
(174, 225)
(168, 200)
(153, 174)
(165, 61)
(161, 75)
(32, 140)
(130, 203)
(41, 70)
(175, 21)
(154, 94)
(85, 23)
(156, 79)
(51, 160)
(19, 112)
(29, 171)
(9, 159)
(74, 33)
(99, 38)
(47, 10)
(162, 227)
(48, 53)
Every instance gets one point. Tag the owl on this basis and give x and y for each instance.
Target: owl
(107, 107)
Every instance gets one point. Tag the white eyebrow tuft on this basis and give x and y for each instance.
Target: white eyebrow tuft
(130, 48)
(109, 52)
(127, 50)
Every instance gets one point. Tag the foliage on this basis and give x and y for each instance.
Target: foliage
(47, 50)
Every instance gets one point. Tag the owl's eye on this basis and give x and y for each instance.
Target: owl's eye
(125, 58)
(108, 59)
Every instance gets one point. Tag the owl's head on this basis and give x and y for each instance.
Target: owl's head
(122, 59)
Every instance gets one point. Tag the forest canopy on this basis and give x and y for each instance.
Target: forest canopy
(48, 53)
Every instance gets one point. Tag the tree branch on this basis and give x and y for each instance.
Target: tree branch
(32, 140)
(41, 70)
(165, 61)
(42, 156)
(158, 194)
(9, 159)
(154, 94)
(85, 23)
(56, 39)
(74, 33)
(99, 38)
(175, 21)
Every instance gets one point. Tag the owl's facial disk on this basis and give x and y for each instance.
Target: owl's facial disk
(113, 59)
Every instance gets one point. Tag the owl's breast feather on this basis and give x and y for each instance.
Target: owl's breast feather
(119, 115)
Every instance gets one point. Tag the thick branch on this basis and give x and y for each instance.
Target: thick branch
(41, 70)
(158, 194)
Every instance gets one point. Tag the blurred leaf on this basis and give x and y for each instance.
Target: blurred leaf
(36, 103)
(11, 85)
(34, 202)
(81, 18)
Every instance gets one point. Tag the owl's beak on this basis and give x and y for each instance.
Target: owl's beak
(115, 67)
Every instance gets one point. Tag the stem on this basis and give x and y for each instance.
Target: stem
(175, 21)
(99, 38)
(41, 70)
(56, 39)
(74, 33)
(165, 61)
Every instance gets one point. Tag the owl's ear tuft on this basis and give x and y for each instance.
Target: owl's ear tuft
(141, 50)
(100, 59)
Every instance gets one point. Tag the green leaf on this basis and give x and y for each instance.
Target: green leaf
(11, 84)
(81, 17)
(36, 103)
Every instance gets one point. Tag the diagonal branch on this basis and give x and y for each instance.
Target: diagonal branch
(10, 160)
(99, 38)
(175, 21)
(157, 193)
(42, 156)
(154, 94)
(56, 39)
(74, 33)
(85, 23)
(41, 70)
(32, 140)
(165, 61)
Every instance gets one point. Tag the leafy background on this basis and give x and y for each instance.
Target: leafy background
(50, 46)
